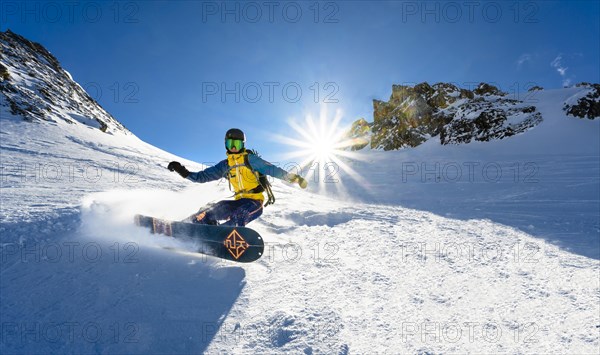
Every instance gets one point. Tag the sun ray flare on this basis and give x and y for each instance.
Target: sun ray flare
(324, 149)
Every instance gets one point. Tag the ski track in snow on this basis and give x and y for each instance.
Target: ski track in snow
(480, 267)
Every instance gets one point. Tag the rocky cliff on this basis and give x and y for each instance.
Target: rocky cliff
(415, 114)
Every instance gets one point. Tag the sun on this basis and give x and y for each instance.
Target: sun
(322, 142)
(321, 146)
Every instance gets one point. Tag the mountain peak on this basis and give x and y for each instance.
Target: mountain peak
(34, 86)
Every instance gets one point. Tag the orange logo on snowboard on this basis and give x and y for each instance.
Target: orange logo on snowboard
(236, 244)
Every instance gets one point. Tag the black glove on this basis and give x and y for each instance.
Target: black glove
(180, 169)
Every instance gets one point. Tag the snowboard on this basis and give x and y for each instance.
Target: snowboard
(239, 244)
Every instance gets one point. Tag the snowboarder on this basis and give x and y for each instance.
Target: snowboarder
(245, 171)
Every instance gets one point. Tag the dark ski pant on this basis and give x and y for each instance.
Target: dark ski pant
(234, 212)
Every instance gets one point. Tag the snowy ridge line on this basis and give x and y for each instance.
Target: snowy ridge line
(36, 88)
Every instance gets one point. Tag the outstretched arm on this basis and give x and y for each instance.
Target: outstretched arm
(209, 174)
(264, 167)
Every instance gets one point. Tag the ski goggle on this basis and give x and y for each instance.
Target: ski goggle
(234, 143)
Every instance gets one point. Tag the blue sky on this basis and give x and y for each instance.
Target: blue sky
(179, 74)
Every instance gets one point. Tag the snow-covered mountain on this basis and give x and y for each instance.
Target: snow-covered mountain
(485, 247)
(452, 115)
(35, 87)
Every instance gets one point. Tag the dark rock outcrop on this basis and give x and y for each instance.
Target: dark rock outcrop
(358, 136)
(416, 114)
(487, 120)
(587, 106)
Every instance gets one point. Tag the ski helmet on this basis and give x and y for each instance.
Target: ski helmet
(235, 133)
(232, 135)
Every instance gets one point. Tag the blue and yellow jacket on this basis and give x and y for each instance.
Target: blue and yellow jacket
(243, 179)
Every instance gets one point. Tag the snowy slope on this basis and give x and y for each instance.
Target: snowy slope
(433, 264)
(340, 276)
(545, 181)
